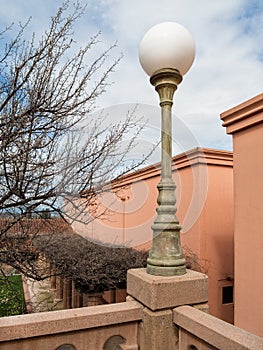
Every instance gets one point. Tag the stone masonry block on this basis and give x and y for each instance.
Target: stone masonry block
(158, 292)
(157, 331)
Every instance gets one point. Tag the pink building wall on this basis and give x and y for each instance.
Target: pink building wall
(205, 211)
(245, 123)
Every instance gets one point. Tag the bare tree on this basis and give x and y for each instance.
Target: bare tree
(51, 149)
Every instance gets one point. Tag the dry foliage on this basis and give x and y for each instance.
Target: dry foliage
(92, 266)
(17, 252)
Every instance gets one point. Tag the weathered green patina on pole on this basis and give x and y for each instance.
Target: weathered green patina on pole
(166, 255)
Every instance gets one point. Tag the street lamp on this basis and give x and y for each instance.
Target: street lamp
(166, 53)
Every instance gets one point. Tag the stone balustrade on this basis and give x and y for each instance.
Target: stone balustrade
(161, 313)
(201, 331)
(98, 327)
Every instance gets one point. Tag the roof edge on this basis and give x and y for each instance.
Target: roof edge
(244, 115)
(189, 158)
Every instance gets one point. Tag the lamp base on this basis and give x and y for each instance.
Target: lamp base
(166, 270)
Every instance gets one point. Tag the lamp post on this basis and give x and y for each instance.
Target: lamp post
(166, 53)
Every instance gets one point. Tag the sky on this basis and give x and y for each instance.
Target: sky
(228, 67)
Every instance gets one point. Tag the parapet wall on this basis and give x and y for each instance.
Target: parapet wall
(84, 328)
(160, 314)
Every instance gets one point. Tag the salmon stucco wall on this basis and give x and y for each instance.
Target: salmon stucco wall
(245, 123)
(205, 210)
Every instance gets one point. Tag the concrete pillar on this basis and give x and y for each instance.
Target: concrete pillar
(80, 300)
(160, 295)
(112, 296)
(59, 289)
(67, 293)
(92, 299)
(77, 298)
(53, 285)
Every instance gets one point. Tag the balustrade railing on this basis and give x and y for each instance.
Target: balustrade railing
(156, 316)
(93, 328)
(201, 331)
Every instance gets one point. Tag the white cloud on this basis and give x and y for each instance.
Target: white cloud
(227, 70)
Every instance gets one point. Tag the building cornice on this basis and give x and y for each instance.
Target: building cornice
(203, 156)
(189, 158)
(244, 115)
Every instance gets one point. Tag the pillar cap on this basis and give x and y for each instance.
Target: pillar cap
(157, 292)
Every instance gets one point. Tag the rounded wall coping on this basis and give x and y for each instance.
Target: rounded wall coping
(195, 156)
(214, 331)
(47, 323)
